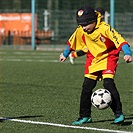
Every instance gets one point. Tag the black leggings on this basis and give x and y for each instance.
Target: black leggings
(85, 100)
(116, 105)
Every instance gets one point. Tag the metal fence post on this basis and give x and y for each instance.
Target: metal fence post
(112, 13)
(33, 24)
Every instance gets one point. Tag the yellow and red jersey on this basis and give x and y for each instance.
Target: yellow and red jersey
(102, 46)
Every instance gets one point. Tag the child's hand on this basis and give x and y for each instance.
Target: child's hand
(62, 58)
(128, 58)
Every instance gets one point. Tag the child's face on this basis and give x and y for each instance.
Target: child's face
(89, 28)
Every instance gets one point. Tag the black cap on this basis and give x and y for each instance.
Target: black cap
(101, 10)
(86, 15)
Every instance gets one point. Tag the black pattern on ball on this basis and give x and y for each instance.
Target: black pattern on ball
(101, 99)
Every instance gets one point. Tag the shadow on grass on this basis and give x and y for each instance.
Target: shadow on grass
(125, 123)
(19, 117)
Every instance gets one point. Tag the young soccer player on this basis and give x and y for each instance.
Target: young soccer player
(79, 53)
(103, 45)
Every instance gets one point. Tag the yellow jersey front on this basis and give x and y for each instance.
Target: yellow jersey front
(102, 46)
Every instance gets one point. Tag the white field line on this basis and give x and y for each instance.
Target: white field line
(36, 54)
(35, 57)
(67, 126)
(42, 60)
(30, 53)
(38, 60)
(29, 60)
(29, 56)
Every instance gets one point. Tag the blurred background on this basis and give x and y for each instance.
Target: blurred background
(55, 20)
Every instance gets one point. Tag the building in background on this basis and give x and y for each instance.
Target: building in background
(60, 21)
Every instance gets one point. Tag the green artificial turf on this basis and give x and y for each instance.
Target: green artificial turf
(35, 86)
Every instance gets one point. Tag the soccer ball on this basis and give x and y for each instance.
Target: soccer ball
(101, 99)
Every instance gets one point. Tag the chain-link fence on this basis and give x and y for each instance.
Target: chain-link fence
(56, 19)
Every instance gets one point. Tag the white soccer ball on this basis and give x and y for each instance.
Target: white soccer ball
(101, 99)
